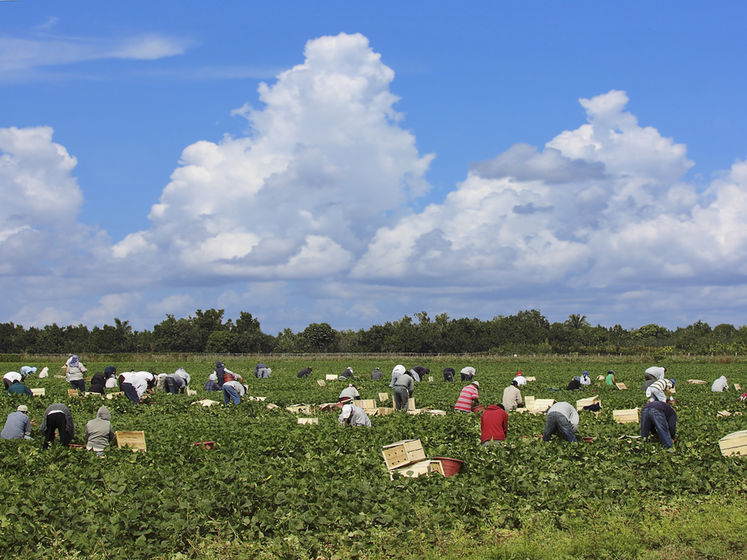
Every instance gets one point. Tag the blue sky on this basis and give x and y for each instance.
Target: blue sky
(352, 163)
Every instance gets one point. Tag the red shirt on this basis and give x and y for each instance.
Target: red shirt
(464, 402)
(493, 423)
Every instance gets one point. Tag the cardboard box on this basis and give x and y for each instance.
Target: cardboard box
(321, 382)
(383, 397)
(135, 440)
(308, 420)
(621, 386)
(734, 444)
(38, 391)
(330, 377)
(626, 416)
(402, 453)
(581, 403)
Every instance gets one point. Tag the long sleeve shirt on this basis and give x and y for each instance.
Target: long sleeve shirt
(511, 398)
(17, 426)
(405, 381)
(493, 423)
(464, 402)
(567, 410)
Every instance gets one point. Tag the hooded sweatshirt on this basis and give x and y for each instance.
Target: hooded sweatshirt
(99, 430)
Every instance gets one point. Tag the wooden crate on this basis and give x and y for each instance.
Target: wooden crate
(308, 420)
(330, 377)
(626, 416)
(300, 408)
(402, 453)
(111, 396)
(38, 391)
(734, 444)
(321, 382)
(72, 392)
(430, 379)
(191, 392)
(529, 401)
(621, 386)
(135, 440)
(411, 404)
(436, 412)
(384, 410)
(532, 378)
(271, 406)
(581, 403)
(89, 394)
(737, 387)
(383, 397)
(369, 405)
(601, 377)
(541, 405)
(696, 381)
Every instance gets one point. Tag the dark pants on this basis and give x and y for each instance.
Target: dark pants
(171, 386)
(130, 392)
(655, 421)
(79, 384)
(401, 395)
(557, 423)
(56, 422)
(230, 394)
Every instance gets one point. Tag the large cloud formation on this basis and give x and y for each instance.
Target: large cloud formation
(312, 217)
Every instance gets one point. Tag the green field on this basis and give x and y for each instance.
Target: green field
(273, 488)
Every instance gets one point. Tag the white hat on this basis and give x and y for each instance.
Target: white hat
(22, 408)
(476, 384)
(347, 410)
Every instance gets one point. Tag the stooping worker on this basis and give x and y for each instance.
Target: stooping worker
(25, 371)
(18, 388)
(74, 371)
(376, 374)
(402, 390)
(449, 373)
(493, 424)
(610, 379)
(574, 384)
(176, 382)
(398, 370)
(347, 374)
(212, 383)
(233, 391)
(421, 372)
(659, 390)
(97, 384)
(349, 392)
(353, 415)
(562, 418)
(468, 397)
(659, 417)
(57, 418)
(11, 377)
(305, 372)
(585, 380)
(17, 425)
(110, 373)
(99, 431)
(134, 384)
(521, 381)
(261, 371)
(720, 385)
(467, 373)
(512, 396)
(652, 374)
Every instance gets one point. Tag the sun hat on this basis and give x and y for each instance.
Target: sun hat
(22, 408)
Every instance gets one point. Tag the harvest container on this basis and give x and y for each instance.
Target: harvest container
(383, 397)
(402, 453)
(621, 386)
(626, 416)
(132, 439)
(734, 443)
(38, 391)
(581, 403)
(449, 466)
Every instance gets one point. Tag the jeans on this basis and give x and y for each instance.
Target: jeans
(130, 392)
(56, 422)
(557, 423)
(230, 394)
(655, 421)
(401, 395)
(79, 384)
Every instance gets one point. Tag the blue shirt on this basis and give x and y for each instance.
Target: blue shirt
(16, 426)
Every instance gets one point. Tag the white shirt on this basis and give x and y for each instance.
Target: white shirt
(12, 376)
(720, 385)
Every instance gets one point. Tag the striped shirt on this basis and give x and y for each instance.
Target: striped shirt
(464, 402)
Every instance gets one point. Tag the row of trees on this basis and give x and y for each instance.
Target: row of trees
(526, 332)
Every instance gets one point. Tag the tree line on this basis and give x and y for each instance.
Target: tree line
(525, 332)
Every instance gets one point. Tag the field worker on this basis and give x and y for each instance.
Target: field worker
(353, 415)
(521, 381)
(421, 371)
(376, 374)
(660, 418)
(402, 390)
(57, 418)
(349, 392)
(176, 382)
(18, 388)
(720, 385)
(493, 424)
(305, 372)
(110, 373)
(25, 371)
(44, 372)
(74, 373)
(99, 431)
(212, 383)
(610, 379)
(574, 384)
(134, 384)
(261, 371)
(398, 370)
(562, 419)
(468, 397)
(347, 374)
(512, 396)
(17, 425)
(233, 391)
(585, 379)
(98, 384)
(11, 377)
(655, 372)
(449, 373)
(467, 373)
(659, 390)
